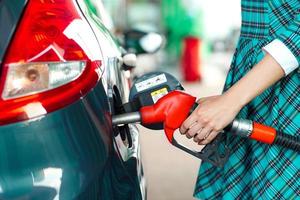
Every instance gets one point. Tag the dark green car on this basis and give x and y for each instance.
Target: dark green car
(61, 80)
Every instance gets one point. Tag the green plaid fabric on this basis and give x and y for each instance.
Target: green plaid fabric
(255, 170)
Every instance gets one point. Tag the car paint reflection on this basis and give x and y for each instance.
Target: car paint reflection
(50, 177)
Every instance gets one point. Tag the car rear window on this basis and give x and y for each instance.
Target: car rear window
(10, 12)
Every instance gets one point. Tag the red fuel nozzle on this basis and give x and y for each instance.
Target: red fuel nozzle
(171, 109)
(175, 107)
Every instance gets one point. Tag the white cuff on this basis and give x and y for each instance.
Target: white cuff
(281, 53)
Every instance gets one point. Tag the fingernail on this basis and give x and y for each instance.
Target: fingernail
(200, 142)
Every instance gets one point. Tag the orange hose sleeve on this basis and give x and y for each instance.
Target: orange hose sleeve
(263, 133)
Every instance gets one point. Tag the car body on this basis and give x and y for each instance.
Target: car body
(61, 81)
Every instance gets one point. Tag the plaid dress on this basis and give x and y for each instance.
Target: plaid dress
(255, 170)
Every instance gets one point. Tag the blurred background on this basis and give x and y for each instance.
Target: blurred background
(200, 39)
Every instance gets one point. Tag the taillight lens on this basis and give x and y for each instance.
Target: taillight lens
(52, 61)
(32, 78)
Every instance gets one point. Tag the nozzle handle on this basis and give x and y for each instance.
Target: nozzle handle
(211, 153)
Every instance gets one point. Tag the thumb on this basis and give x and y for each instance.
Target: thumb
(203, 99)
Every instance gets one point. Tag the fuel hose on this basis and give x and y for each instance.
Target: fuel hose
(262, 133)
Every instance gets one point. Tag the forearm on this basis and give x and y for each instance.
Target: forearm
(258, 79)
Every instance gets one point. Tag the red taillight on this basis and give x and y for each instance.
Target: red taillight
(52, 61)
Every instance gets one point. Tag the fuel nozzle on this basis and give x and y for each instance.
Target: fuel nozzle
(126, 118)
(173, 109)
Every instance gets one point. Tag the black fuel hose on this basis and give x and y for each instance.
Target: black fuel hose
(288, 141)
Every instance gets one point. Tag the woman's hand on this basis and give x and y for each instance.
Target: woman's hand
(211, 116)
(215, 113)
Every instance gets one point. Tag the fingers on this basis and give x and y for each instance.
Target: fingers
(209, 138)
(188, 123)
(209, 118)
(202, 134)
(192, 131)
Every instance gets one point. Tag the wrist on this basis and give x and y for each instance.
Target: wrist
(237, 98)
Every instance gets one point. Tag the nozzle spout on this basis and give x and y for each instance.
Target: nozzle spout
(126, 118)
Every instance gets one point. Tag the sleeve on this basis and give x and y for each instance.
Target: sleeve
(285, 49)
